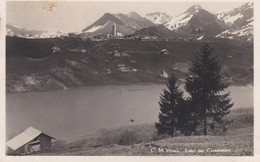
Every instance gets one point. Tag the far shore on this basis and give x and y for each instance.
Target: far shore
(181, 82)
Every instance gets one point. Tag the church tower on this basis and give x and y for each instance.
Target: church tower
(114, 29)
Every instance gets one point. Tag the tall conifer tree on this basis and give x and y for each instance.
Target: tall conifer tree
(171, 108)
(204, 87)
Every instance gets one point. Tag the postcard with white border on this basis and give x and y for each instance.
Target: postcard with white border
(144, 79)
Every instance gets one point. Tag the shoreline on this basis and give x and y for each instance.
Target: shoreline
(116, 84)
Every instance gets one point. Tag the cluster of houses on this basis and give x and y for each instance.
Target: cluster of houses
(118, 35)
(115, 34)
(100, 38)
(135, 37)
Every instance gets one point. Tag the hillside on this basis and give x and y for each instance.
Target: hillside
(142, 140)
(159, 30)
(33, 65)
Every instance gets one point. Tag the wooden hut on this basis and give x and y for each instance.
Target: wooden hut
(164, 52)
(55, 49)
(29, 141)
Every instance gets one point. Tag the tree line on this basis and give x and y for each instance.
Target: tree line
(205, 108)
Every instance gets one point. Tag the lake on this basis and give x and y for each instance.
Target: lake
(73, 113)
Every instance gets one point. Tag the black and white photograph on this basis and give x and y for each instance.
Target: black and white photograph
(129, 78)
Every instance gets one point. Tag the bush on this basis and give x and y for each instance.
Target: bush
(124, 137)
(128, 138)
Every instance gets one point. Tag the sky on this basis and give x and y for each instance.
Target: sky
(74, 16)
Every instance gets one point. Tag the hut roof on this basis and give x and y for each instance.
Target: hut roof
(164, 50)
(23, 138)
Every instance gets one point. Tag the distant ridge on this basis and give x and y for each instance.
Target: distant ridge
(240, 21)
(126, 24)
(196, 23)
(158, 17)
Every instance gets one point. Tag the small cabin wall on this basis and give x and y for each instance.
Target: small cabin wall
(45, 142)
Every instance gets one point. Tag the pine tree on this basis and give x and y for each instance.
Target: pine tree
(171, 106)
(204, 87)
(187, 119)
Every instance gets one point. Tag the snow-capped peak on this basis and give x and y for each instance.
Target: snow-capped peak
(183, 19)
(178, 21)
(95, 28)
(194, 9)
(158, 17)
(244, 32)
(231, 19)
(235, 15)
(240, 21)
(15, 30)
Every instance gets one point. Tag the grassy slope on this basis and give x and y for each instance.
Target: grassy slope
(239, 145)
(238, 138)
(34, 59)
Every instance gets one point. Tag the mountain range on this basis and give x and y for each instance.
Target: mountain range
(240, 21)
(195, 22)
(125, 23)
(158, 17)
(13, 30)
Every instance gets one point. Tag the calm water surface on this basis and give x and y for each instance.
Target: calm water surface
(70, 114)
